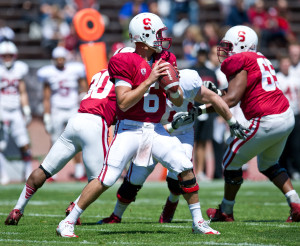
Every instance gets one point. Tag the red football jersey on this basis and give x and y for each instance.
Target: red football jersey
(133, 69)
(262, 96)
(101, 98)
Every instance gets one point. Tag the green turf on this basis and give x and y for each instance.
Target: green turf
(260, 213)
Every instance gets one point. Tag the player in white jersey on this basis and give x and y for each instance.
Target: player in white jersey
(14, 100)
(288, 81)
(191, 85)
(63, 82)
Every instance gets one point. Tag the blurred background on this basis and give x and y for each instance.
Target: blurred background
(36, 27)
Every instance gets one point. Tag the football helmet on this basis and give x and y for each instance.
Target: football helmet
(148, 28)
(124, 50)
(236, 40)
(59, 52)
(8, 53)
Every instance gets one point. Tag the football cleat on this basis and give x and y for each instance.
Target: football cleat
(216, 214)
(68, 211)
(112, 219)
(168, 212)
(294, 213)
(65, 229)
(13, 217)
(202, 227)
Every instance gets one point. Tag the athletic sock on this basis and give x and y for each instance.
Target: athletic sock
(173, 198)
(120, 208)
(227, 206)
(292, 197)
(27, 169)
(195, 212)
(24, 198)
(79, 171)
(77, 199)
(74, 215)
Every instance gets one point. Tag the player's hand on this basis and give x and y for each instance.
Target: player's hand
(28, 119)
(182, 119)
(159, 69)
(48, 123)
(211, 86)
(236, 129)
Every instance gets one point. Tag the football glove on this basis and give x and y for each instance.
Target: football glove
(180, 119)
(27, 114)
(211, 86)
(236, 129)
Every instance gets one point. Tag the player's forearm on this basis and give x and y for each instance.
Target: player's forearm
(177, 97)
(129, 98)
(221, 108)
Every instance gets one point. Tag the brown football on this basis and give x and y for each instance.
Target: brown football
(169, 82)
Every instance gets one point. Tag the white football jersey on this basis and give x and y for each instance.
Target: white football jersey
(63, 83)
(190, 83)
(290, 87)
(9, 84)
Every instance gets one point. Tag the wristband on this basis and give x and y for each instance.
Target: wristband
(169, 127)
(47, 117)
(219, 92)
(203, 109)
(175, 94)
(26, 110)
(231, 121)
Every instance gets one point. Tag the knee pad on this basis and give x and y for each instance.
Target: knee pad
(127, 192)
(233, 177)
(48, 175)
(273, 171)
(174, 186)
(188, 186)
(26, 155)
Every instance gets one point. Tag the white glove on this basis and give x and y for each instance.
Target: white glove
(236, 129)
(211, 86)
(48, 123)
(27, 114)
(180, 119)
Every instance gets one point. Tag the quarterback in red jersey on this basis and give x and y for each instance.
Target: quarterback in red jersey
(87, 131)
(138, 133)
(252, 81)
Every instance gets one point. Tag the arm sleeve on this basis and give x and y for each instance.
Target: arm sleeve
(232, 65)
(119, 69)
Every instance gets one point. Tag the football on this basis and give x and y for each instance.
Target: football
(169, 82)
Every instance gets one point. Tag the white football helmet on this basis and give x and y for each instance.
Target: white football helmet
(8, 53)
(147, 28)
(59, 52)
(236, 40)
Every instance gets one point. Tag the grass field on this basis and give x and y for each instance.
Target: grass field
(260, 214)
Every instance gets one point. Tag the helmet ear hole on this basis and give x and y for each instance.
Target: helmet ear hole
(242, 47)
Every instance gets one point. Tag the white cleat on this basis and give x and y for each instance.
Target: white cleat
(202, 227)
(65, 229)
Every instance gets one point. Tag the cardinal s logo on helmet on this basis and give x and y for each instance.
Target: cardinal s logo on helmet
(236, 40)
(148, 28)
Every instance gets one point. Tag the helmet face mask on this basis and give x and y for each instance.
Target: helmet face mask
(148, 28)
(236, 40)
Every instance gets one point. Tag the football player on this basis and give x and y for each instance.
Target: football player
(14, 100)
(138, 133)
(63, 82)
(86, 131)
(193, 90)
(253, 82)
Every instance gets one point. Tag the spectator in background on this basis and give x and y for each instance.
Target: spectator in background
(278, 31)
(31, 16)
(129, 10)
(294, 54)
(238, 14)
(258, 16)
(182, 14)
(211, 34)
(6, 33)
(192, 42)
(203, 125)
(54, 28)
(290, 86)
